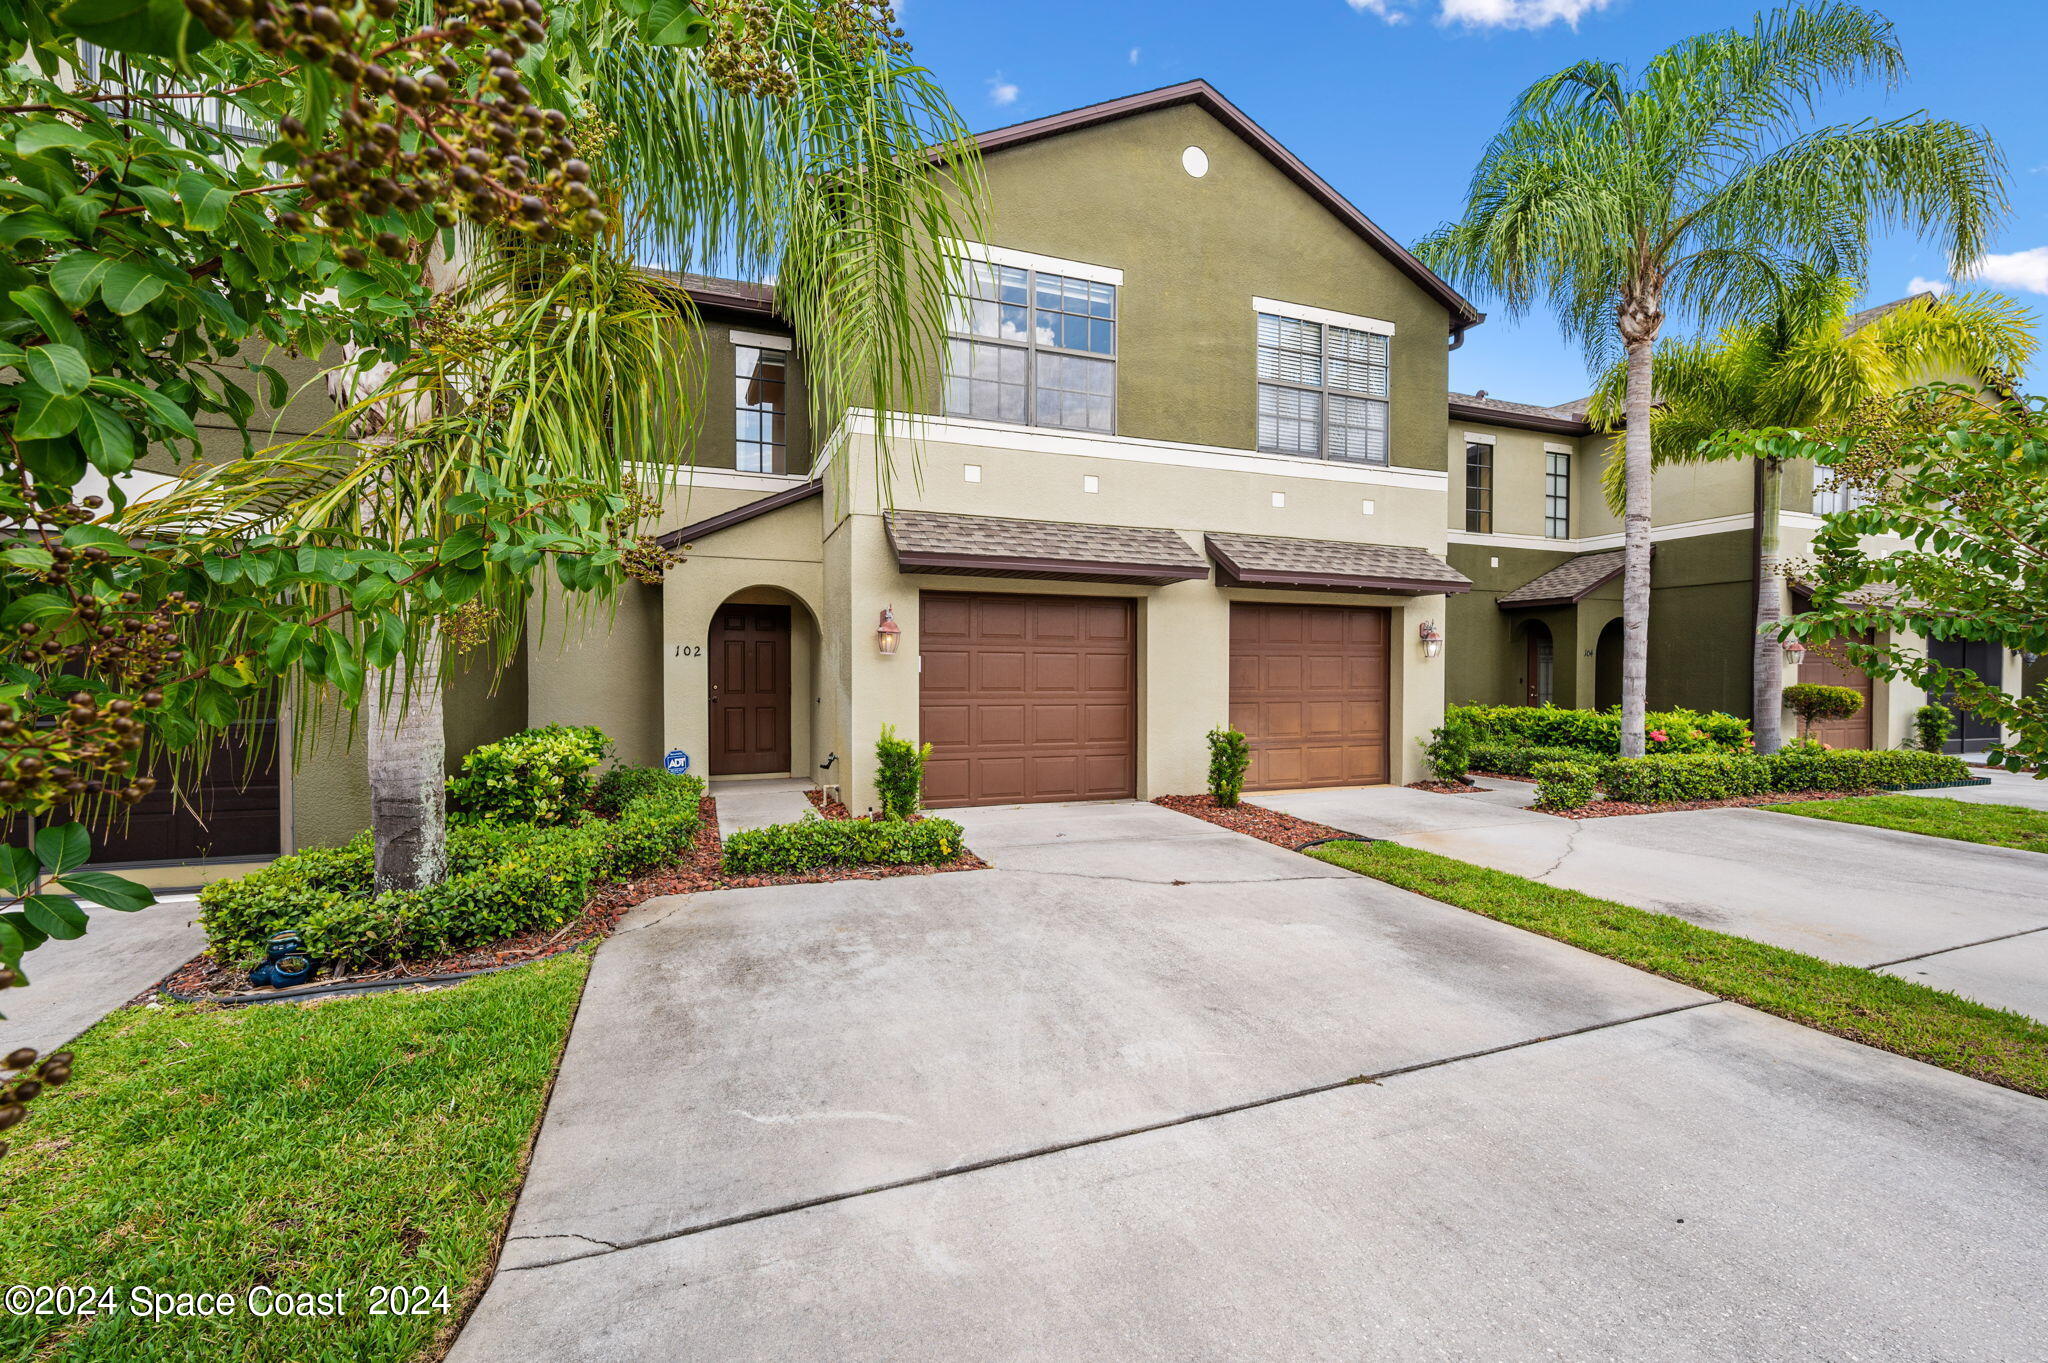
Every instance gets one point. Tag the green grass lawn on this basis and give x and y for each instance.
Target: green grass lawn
(1995, 825)
(1877, 1010)
(322, 1147)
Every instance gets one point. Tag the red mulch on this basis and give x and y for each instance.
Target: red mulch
(1444, 787)
(699, 870)
(1608, 809)
(826, 804)
(1282, 830)
(1503, 776)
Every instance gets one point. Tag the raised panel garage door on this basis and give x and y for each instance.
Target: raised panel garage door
(1027, 698)
(1308, 687)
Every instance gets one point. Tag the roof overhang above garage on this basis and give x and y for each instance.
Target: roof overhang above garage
(1332, 565)
(1055, 551)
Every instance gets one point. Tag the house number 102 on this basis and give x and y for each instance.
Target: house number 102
(689, 650)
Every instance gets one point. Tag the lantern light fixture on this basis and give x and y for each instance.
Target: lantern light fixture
(888, 634)
(1432, 639)
(1795, 652)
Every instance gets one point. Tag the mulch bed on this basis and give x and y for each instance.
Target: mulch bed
(1608, 809)
(825, 804)
(1444, 787)
(697, 871)
(1282, 830)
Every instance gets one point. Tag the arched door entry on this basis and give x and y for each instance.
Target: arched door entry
(749, 650)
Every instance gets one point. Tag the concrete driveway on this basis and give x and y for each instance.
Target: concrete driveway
(74, 984)
(1149, 1089)
(1955, 915)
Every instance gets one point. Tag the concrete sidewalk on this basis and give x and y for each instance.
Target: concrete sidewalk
(1149, 1089)
(74, 984)
(759, 804)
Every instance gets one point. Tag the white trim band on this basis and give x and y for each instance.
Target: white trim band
(763, 340)
(1044, 440)
(1026, 260)
(1302, 312)
(1589, 544)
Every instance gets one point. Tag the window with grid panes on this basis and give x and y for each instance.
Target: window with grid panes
(1557, 495)
(1479, 488)
(1035, 348)
(760, 408)
(1322, 390)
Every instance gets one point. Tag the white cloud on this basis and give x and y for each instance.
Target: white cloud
(1134, 56)
(1937, 287)
(1001, 92)
(1487, 13)
(2026, 270)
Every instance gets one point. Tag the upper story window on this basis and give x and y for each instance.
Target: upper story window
(1557, 494)
(761, 409)
(110, 71)
(1830, 497)
(1034, 347)
(1322, 390)
(1478, 487)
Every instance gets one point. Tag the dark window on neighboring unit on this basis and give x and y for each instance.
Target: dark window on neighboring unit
(1035, 348)
(760, 408)
(1478, 488)
(1322, 390)
(1557, 494)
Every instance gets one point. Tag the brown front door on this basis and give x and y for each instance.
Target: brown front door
(1027, 698)
(1308, 687)
(749, 690)
(1823, 666)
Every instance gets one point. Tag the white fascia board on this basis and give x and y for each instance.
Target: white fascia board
(1590, 544)
(1552, 447)
(1477, 438)
(763, 340)
(727, 480)
(1027, 260)
(1302, 312)
(1042, 440)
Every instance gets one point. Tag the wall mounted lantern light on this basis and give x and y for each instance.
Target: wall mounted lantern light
(888, 634)
(1795, 652)
(1432, 639)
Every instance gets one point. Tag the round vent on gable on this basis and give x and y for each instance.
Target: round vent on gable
(1195, 162)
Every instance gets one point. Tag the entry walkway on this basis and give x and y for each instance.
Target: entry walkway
(1149, 1089)
(758, 804)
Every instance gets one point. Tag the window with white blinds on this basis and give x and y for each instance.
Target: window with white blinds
(1033, 347)
(1322, 390)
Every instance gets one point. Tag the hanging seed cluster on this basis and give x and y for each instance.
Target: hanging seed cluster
(436, 120)
(32, 1077)
(89, 747)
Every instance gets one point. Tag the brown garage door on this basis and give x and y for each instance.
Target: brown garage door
(1027, 698)
(1825, 667)
(1308, 686)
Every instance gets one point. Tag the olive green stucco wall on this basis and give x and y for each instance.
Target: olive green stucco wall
(1701, 608)
(1483, 663)
(1194, 253)
(711, 435)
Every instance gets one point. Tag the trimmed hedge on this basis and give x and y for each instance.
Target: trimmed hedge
(1599, 731)
(792, 848)
(536, 776)
(1565, 785)
(503, 879)
(1511, 759)
(1723, 776)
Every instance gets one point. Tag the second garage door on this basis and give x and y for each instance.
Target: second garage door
(1308, 687)
(1027, 698)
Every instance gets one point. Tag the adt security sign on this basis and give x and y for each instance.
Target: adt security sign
(677, 762)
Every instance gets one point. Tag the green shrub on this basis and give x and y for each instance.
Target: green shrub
(1599, 731)
(1814, 703)
(1932, 725)
(1449, 748)
(620, 786)
(1565, 785)
(1677, 778)
(1230, 756)
(539, 776)
(503, 879)
(1857, 769)
(793, 848)
(1514, 760)
(899, 774)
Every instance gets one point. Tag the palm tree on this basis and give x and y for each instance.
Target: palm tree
(797, 143)
(1810, 362)
(1691, 190)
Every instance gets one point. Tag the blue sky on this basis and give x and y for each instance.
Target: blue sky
(1392, 100)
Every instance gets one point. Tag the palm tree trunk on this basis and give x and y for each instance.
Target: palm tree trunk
(1767, 693)
(1640, 322)
(408, 774)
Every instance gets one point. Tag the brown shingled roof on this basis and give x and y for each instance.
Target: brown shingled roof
(1567, 583)
(1271, 561)
(992, 546)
